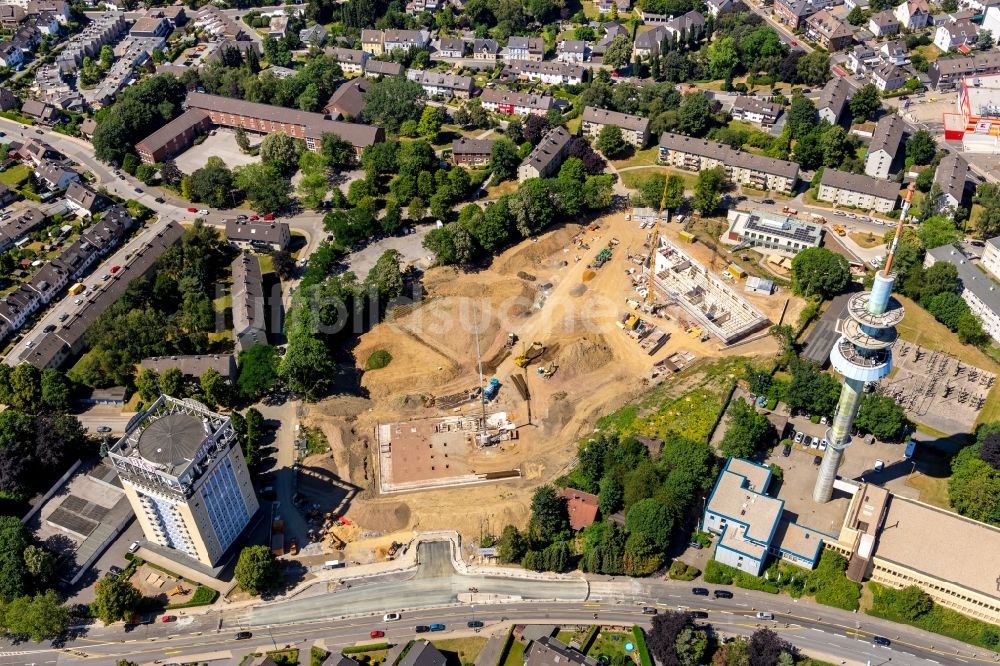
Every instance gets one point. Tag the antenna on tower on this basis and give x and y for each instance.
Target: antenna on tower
(907, 200)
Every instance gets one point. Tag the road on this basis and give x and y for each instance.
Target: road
(429, 595)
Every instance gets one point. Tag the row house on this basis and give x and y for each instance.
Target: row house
(18, 226)
(833, 99)
(755, 111)
(376, 68)
(763, 173)
(16, 307)
(471, 152)
(487, 50)
(405, 39)
(249, 311)
(213, 21)
(524, 48)
(416, 7)
(857, 191)
(828, 31)
(573, 51)
(549, 73)
(106, 29)
(977, 289)
(54, 176)
(352, 61)
(515, 103)
(794, 12)
(946, 73)
(951, 176)
(438, 84)
(607, 6)
(254, 234)
(635, 129)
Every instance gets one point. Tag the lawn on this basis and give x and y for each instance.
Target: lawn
(14, 176)
(634, 178)
(497, 191)
(610, 643)
(515, 654)
(866, 239)
(933, 490)
(590, 10)
(644, 157)
(929, 52)
(460, 651)
(266, 264)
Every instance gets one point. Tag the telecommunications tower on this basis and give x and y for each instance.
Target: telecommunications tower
(862, 354)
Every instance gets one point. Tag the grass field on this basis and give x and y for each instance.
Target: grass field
(866, 239)
(497, 191)
(933, 490)
(644, 157)
(15, 175)
(515, 655)
(929, 52)
(610, 643)
(460, 651)
(634, 178)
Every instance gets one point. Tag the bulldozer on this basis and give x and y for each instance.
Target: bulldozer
(530, 354)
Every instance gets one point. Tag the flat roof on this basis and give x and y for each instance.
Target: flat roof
(941, 544)
(739, 496)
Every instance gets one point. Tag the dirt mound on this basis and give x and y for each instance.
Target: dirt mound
(578, 290)
(380, 516)
(583, 355)
(589, 275)
(536, 253)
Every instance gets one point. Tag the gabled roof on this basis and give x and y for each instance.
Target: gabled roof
(348, 99)
(466, 146)
(888, 134)
(835, 95)
(856, 182)
(592, 114)
(580, 506)
(526, 100)
(729, 156)
(884, 19)
(951, 173)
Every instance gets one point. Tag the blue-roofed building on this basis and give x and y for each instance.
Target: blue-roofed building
(750, 523)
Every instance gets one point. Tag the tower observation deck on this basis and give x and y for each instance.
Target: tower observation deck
(862, 354)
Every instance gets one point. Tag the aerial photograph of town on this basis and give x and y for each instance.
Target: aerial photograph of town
(499, 332)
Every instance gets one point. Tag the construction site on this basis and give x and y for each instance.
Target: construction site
(557, 332)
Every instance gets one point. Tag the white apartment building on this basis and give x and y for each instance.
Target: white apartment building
(762, 173)
(857, 191)
(978, 290)
(776, 233)
(991, 257)
(635, 129)
(885, 145)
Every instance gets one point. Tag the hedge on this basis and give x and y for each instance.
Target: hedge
(681, 571)
(506, 646)
(203, 596)
(640, 646)
(718, 573)
(938, 619)
(371, 647)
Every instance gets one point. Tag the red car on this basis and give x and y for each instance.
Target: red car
(168, 618)
(192, 210)
(269, 216)
(254, 217)
(794, 43)
(115, 269)
(377, 633)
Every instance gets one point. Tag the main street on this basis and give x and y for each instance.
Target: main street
(344, 614)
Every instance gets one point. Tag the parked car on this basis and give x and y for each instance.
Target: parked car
(390, 617)
(49, 328)
(134, 546)
(437, 627)
(798, 437)
(104, 429)
(822, 444)
(138, 190)
(243, 635)
(168, 618)
(879, 466)
(377, 633)
(765, 616)
(700, 591)
(203, 211)
(39, 132)
(649, 610)
(474, 624)
(695, 545)
(699, 615)
(192, 210)
(115, 269)
(823, 420)
(817, 461)
(160, 200)
(269, 217)
(421, 628)
(723, 594)
(880, 640)
(786, 450)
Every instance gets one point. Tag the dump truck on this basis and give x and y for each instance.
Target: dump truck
(491, 390)
(534, 351)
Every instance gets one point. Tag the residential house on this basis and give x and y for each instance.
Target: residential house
(11, 16)
(485, 49)
(405, 39)
(887, 77)
(193, 366)
(374, 68)
(33, 152)
(762, 173)
(8, 195)
(794, 12)
(417, 7)
(953, 35)
(635, 129)
(11, 56)
(148, 26)
(55, 176)
(991, 18)
(422, 653)
(755, 111)
(605, 6)
(833, 99)
(373, 42)
(857, 191)
(647, 43)
(249, 311)
(278, 27)
(885, 145)
(549, 73)
(828, 31)
(546, 158)
(716, 7)
(88, 127)
(549, 651)
(439, 84)
(913, 14)
(82, 199)
(314, 36)
(977, 289)
(47, 23)
(352, 61)
(951, 175)
(611, 30)
(883, 24)
(895, 53)
(573, 51)
(348, 101)
(8, 100)
(946, 73)
(581, 507)
(471, 152)
(851, 4)
(253, 234)
(514, 103)
(451, 47)
(524, 48)
(862, 59)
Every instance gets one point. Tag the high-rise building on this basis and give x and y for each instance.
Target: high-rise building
(862, 354)
(184, 473)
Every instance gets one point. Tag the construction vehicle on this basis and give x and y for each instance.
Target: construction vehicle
(839, 230)
(177, 590)
(602, 258)
(511, 340)
(491, 390)
(527, 356)
(548, 371)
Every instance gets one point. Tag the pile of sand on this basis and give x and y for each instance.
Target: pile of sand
(583, 355)
(538, 253)
(380, 516)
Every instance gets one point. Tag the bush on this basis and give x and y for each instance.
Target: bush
(681, 571)
(888, 604)
(378, 359)
(371, 647)
(203, 596)
(717, 573)
(640, 646)
(723, 574)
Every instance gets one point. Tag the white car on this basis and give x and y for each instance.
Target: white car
(822, 444)
(875, 262)
(134, 546)
(879, 466)
(390, 617)
(203, 211)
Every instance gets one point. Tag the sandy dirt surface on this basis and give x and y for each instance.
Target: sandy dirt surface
(541, 290)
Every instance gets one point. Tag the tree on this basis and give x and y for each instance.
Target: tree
(814, 68)
(882, 416)
(258, 371)
(41, 617)
(706, 192)
(723, 58)
(242, 140)
(392, 100)
(641, 557)
(811, 389)
(57, 392)
(747, 432)
(512, 545)
(257, 570)
(618, 53)
(920, 147)
(312, 189)
(662, 638)
(694, 114)
(611, 142)
(675, 192)
(817, 271)
(115, 599)
(912, 602)
(41, 564)
(25, 388)
(610, 496)
(548, 515)
(172, 382)
(857, 17)
(691, 646)
(948, 309)
(214, 388)
(148, 386)
(212, 183)
(937, 230)
(865, 103)
(801, 116)
(265, 187)
(14, 541)
(430, 123)
(337, 152)
(766, 648)
(651, 518)
(970, 330)
(385, 276)
(504, 159)
(280, 151)
(985, 40)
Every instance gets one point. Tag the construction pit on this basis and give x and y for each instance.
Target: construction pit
(573, 291)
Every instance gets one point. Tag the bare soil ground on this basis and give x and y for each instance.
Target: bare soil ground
(541, 290)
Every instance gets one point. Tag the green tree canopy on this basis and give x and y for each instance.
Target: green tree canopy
(747, 431)
(653, 519)
(115, 599)
(817, 271)
(882, 416)
(392, 100)
(257, 570)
